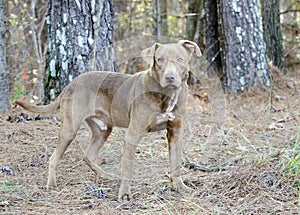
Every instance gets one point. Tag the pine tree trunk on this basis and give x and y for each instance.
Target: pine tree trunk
(194, 10)
(194, 29)
(39, 40)
(212, 36)
(80, 39)
(159, 17)
(195, 24)
(4, 72)
(244, 57)
(272, 33)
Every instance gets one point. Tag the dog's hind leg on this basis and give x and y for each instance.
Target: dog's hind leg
(67, 133)
(100, 133)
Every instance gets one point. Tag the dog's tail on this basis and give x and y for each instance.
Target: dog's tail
(43, 109)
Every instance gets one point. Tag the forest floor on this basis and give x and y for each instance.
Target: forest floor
(248, 145)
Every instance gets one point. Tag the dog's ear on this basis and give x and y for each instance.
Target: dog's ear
(191, 47)
(149, 53)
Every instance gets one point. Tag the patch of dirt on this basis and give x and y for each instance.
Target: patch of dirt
(252, 137)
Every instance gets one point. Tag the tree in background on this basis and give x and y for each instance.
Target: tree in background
(212, 42)
(26, 39)
(159, 18)
(244, 59)
(193, 27)
(26, 42)
(38, 28)
(195, 32)
(272, 33)
(290, 25)
(80, 39)
(4, 72)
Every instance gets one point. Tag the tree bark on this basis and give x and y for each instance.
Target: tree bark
(80, 39)
(272, 33)
(194, 28)
(39, 39)
(194, 12)
(212, 45)
(159, 18)
(244, 58)
(4, 72)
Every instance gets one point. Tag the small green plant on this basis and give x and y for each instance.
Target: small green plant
(20, 83)
(216, 210)
(293, 165)
(7, 186)
(18, 93)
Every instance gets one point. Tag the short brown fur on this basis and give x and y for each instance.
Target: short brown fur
(147, 101)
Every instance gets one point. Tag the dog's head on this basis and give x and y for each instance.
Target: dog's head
(169, 63)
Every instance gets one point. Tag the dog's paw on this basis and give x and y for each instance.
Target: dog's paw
(51, 184)
(100, 124)
(125, 203)
(171, 116)
(124, 197)
(124, 193)
(180, 187)
(164, 117)
(161, 118)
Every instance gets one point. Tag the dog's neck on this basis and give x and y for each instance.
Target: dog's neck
(167, 114)
(173, 100)
(166, 98)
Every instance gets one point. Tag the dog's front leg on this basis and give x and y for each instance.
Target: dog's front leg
(174, 135)
(132, 137)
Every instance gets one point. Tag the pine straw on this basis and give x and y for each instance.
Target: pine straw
(244, 132)
(250, 189)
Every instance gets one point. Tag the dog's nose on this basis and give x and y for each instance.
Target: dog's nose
(170, 77)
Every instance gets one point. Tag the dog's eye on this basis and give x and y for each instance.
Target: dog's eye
(160, 60)
(180, 60)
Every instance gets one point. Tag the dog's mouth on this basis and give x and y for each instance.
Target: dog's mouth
(171, 86)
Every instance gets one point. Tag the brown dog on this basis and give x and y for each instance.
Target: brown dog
(147, 101)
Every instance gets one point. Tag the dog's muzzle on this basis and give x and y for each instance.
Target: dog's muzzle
(170, 80)
(170, 77)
